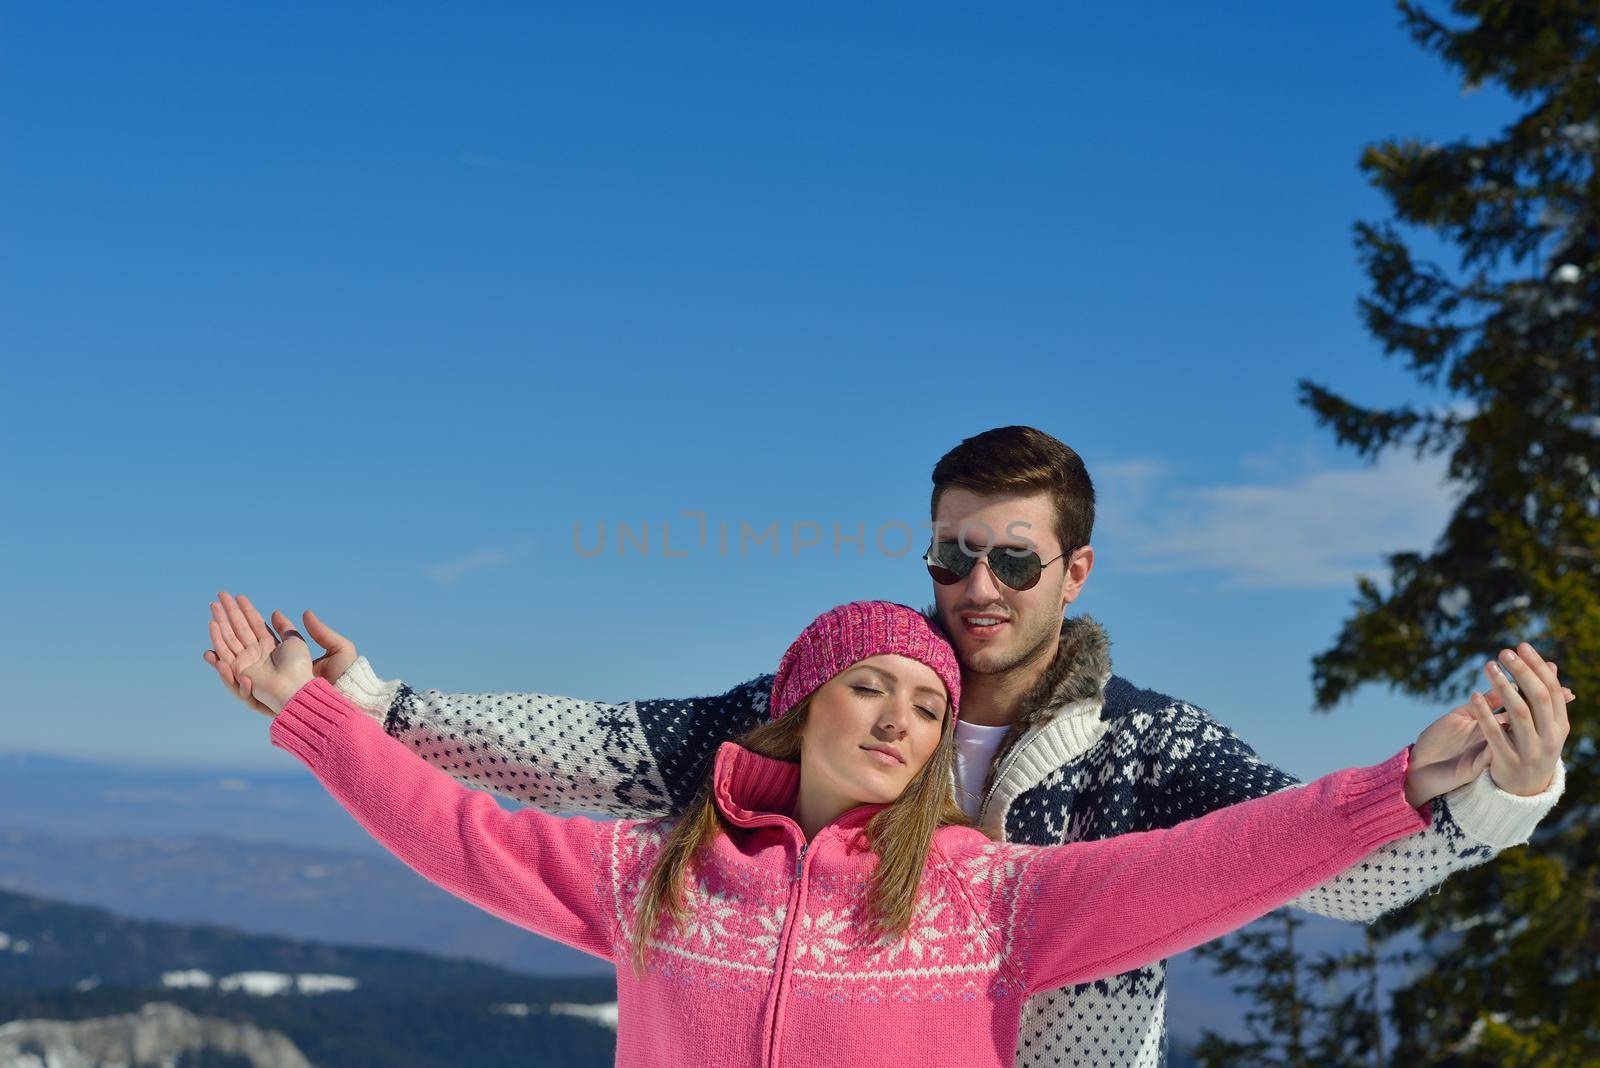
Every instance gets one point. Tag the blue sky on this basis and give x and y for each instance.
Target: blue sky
(361, 308)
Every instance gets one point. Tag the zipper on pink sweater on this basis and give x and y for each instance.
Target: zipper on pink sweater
(791, 923)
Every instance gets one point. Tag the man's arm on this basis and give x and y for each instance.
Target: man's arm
(636, 759)
(1469, 826)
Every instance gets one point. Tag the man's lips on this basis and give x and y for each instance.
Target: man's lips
(979, 631)
(885, 755)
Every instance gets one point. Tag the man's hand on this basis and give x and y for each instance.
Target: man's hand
(1453, 750)
(273, 668)
(241, 616)
(1524, 752)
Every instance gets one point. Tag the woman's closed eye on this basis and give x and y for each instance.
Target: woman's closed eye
(928, 712)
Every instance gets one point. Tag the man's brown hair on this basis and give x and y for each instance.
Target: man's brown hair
(1022, 461)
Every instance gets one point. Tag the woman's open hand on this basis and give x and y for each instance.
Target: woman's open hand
(242, 616)
(269, 668)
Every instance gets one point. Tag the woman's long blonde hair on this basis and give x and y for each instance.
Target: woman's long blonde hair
(900, 834)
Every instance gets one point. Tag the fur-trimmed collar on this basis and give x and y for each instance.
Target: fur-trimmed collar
(1081, 666)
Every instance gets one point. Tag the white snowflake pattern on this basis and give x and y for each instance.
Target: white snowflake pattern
(929, 928)
(764, 946)
(708, 913)
(822, 938)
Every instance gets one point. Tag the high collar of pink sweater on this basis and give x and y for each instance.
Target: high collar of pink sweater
(752, 790)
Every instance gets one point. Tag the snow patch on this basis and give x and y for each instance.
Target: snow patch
(604, 1014)
(260, 984)
(192, 977)
(271, 984)
(322, 984)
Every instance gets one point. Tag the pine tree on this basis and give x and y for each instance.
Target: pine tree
(1511, 949)
(1349, 1013)
(1323, 1011)
(1265, 952)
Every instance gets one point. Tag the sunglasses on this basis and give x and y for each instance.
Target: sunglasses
(949, 563)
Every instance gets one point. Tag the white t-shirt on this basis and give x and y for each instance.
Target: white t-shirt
(975, 748)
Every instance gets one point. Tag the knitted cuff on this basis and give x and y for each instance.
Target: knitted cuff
(1492, 816)
(309, 725)
(1374, 800)
(365, 690)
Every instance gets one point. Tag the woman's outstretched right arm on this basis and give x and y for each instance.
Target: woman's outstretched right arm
(538, 871)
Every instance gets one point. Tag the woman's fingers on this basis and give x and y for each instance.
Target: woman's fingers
(1480, 756)
(238, 685)
(236, 618)
(223, 642)
(222, 639)
(210, 656)
(233, 641)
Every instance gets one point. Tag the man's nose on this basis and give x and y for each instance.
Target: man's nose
(982, 586)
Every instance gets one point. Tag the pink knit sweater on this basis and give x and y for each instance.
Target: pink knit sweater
(773, 966)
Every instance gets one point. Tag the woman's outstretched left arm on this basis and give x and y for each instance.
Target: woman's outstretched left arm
(1087, 910)
(1092, 909)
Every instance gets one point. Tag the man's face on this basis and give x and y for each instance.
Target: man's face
(994, 627)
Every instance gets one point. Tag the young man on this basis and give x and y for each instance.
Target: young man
(1053, 747)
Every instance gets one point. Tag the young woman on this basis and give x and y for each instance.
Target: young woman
(825, 901)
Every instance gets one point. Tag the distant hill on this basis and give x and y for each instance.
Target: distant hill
(314, 893)
(337, 1006)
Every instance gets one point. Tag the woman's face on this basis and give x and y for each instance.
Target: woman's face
(871, 728)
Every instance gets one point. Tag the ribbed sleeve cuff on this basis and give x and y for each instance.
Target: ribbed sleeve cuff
(309, 725)
(1374, 800)
(365, 690)
(1490, 815)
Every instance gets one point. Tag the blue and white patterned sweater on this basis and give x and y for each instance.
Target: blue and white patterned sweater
(1091, 756)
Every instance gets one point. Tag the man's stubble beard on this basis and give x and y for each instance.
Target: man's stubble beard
(1022, 654)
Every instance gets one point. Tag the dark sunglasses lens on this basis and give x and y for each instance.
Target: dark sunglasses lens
(947, 563)
(1018, 572)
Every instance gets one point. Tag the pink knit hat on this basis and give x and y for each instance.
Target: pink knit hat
(852, 632)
